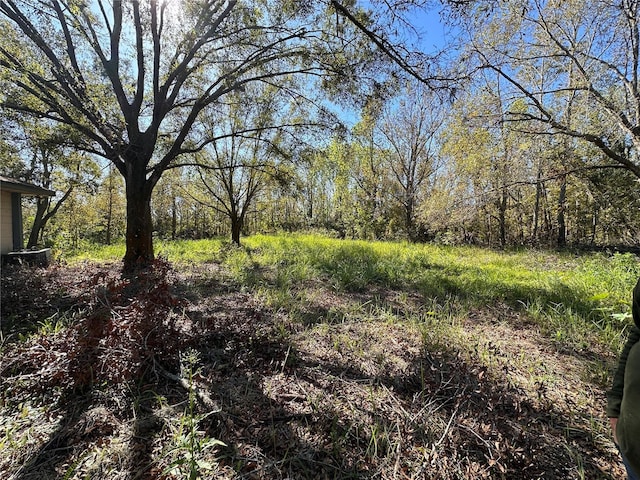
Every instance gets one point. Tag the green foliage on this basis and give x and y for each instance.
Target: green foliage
(180, 251)
(574, 298)
(191, 445)
(241, 265)
(190, 251)
(86, 250)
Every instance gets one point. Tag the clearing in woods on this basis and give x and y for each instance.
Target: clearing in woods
(312, 358)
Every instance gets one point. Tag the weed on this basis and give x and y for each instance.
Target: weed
(55, 323)
(189, 453)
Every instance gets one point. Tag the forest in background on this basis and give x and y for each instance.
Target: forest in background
(530, 142)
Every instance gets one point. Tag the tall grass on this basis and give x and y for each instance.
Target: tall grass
(93, 252)
(575, 299)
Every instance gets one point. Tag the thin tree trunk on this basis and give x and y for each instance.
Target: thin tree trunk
(38, 222)
(174, 218)
(502, 218)
(409, 219)
(536, 208)
(594, 224)
(562, 226)
(110, 210)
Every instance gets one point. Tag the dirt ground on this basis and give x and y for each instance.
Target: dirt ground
(181, 374)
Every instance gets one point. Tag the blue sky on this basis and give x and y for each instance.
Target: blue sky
(432, 29)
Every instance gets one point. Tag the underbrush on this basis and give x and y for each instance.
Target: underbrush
(306, 357)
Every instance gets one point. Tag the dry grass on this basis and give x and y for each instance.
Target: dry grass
(337, 385)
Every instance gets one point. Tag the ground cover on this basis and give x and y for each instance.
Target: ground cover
(306, 357)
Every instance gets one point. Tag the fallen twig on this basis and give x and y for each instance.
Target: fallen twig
(200, 393)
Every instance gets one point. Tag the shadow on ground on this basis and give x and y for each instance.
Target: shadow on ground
(319, 400)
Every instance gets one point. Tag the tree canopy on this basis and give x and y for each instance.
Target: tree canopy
(140, 80)
(287, 114)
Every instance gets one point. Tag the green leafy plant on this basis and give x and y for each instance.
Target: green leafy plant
(191, 446)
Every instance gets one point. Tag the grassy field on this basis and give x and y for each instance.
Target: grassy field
(575, 299)
(308, 357)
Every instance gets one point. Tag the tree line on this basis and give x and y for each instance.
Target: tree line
(219, 118)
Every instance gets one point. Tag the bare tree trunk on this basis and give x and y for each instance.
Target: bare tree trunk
(562, 201)
(110, 210)
(236, 229)
(502, 217)
(594, 224)
(409, 219)
(139, 244)
(38, 222)
(536, 208)
(310, 207)
(174, 218)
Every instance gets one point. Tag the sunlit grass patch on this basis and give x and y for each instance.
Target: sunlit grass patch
(94, 252)
(178, 251)
(572, 297)
(190, 251)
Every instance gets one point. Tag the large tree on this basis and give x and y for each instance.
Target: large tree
(576, 63)
(137, 78)
(235, 169)
(409, 130)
